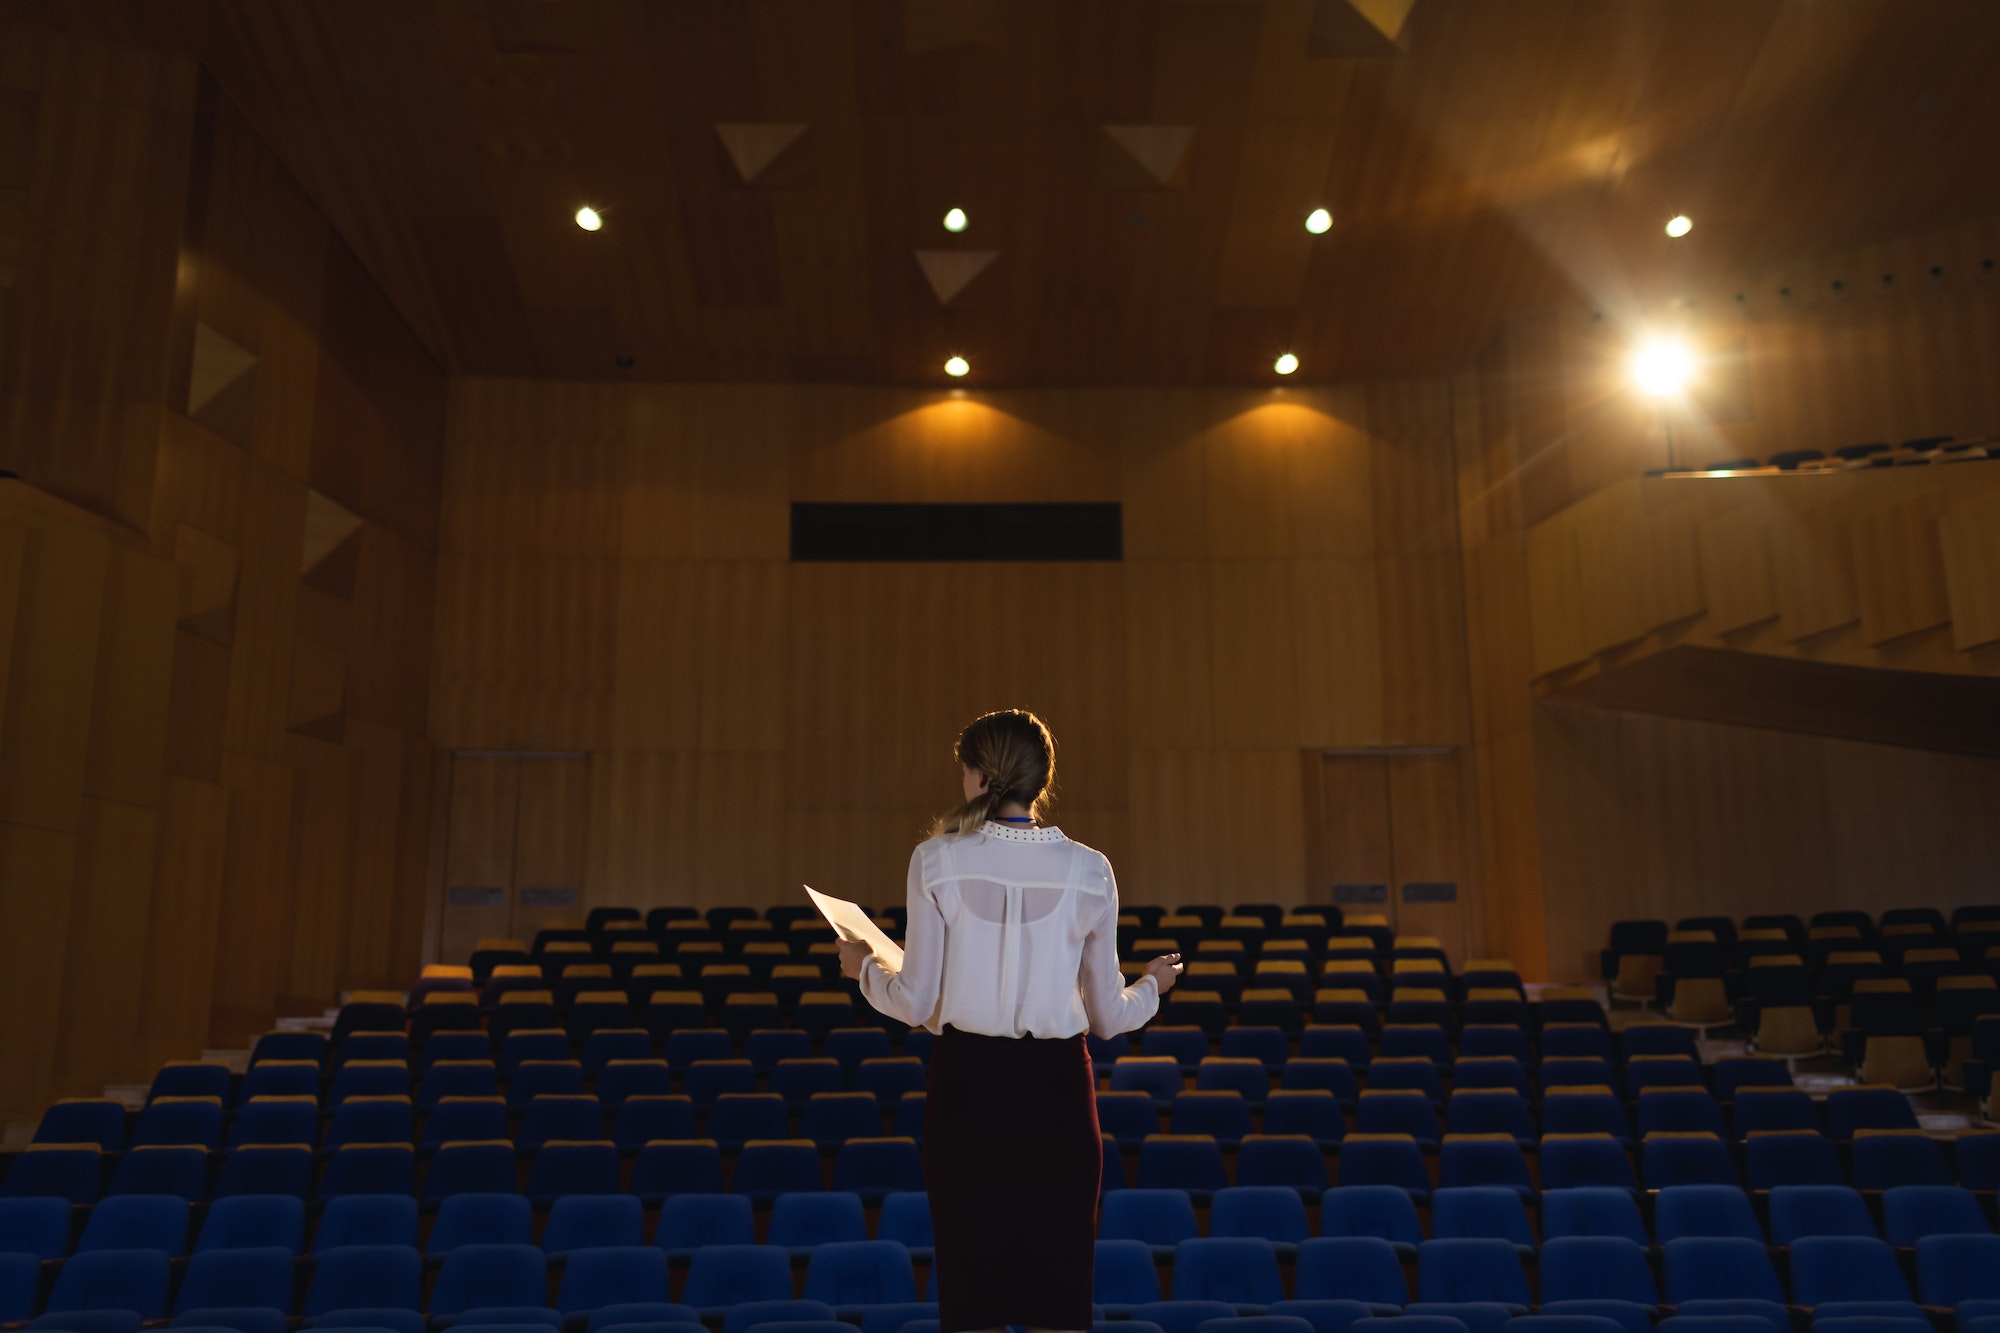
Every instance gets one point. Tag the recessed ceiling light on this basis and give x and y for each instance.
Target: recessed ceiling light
(955, 220)
(1319, 222)
(1285, 364)
(588, 219)
(1679, 225)
(957, 366)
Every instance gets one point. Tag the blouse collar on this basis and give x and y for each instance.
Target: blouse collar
(1006, 833)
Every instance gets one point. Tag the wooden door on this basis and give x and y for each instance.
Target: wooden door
(514, 847)
(1385, 834)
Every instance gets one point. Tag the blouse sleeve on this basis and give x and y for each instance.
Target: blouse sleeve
(911, 994)
(1113, 1006)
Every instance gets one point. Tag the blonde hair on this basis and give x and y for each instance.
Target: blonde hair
(1017, 753)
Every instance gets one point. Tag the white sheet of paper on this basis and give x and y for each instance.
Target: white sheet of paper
(851, 923)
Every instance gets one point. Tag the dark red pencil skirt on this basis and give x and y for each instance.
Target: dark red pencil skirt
(1013, 1161)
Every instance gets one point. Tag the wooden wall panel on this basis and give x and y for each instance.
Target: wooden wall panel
(551, 836)
(184, 352)
(1252, 618)
(1646, 816)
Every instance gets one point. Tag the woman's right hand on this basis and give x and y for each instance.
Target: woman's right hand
(1165, 971)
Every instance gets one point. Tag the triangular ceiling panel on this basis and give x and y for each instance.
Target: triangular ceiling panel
(218, 363)
(1158, 149)
(950, 270)
(754, 146)
(329, 528)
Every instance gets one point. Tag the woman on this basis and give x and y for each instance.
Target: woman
(1010, 956)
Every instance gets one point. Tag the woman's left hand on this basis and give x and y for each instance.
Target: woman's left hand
(853, 953)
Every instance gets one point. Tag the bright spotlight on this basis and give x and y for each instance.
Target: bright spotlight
(1679, 225)
(588, 219)
(1285, 364)
(1319, 222)
(1662, 367)
(957, 366)
(955, 220)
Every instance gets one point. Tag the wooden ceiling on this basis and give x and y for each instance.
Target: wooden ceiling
(1510, 155)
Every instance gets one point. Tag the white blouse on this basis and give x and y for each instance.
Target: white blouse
(1013, 933)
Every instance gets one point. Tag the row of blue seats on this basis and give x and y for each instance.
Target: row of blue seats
(763, 1169)
(1160, 1218)
(800, 1222)
(829, 1118)
(1829, 1275)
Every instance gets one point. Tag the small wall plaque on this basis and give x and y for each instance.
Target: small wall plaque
(476, 895)
(547, 895)
(1347, 894)
(1430, 891)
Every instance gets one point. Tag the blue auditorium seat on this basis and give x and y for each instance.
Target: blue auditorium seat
(1581, 1161)
(1127, 1116)
(1881, 1161)
(35, 1226)
(1264, 1323)
(1495, 1110)
(269, 1169)
(1774, 1109)
(1485, 1040)
(1912, 1212)
(1268, 1212)
(1384, 1212)
(654, 1316)
(178, 1121)
(54, 1171)
(1384, 1159)
(1222, 1116)
(721, 1276)
(1178, 1316)
(706, 1080)
(131, 1280)
(1845, 1269)
(573, 1168)
(160, 1169)
(1157, 1076)
(1630, 1316)
(1669, 1160)
(906, 1217)
(1704, 1210)
(289, 1046)
(1771, 1160)
(767, 1169)
(1398, 1074)
(190, 1078)
(735, 1118)
(559, 1116)
(889, 1077)
(846, 1274)
(1352, 1268)
(1294, 1161)
(620, 1080)
(608, 1045)
(1468, 1160)
(874, 1167)
(386, 1119)
(1583, 1110)
(642, 1118)
(1817, 1210)
(1157, 1218)
(84, 1120)
(1597, 1268)
(252, 1221)
(850, 1046)
(687, 1047)
(271, 1119)
(465, 1120)
(1168, 1161)
(230, 1319)
(357, 1277)
(466, 1168)
(525, 1044)
(543, 1078)
(1314, 1114)
(1415, 1041)
(1476, 1316)
(1305, 1074)
(1576, 1071)
(1471, 1270)
(1246, 1077)
(1269, 1045)
(1325, 1316)
(1481, 1212)
(677, 1166)
(803, 1222)
(446, 1078)
(1700, 1268)
(137, 1222)
(1852, 1109)
(612, 1275)
(1124, 1276)
(1409, 1323)
(378, 1319)
(754, 1314)
(360, 1219)
(1563, 1323)
(479, 1276)
(1185, 1046)
(689, 1221)
(1235, 1269)
(1398, 1111)
(480, 1219)
(1955, 1269)
(1337, 1041)
(254, 1279)
(592, 1222)
(908, 1121)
